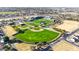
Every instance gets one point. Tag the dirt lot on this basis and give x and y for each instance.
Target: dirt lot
(68, 25)
(9, 31)
(65, 46)
(23, 47)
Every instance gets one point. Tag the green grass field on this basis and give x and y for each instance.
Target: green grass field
(42, 36)
(8, 12)
(45, 21)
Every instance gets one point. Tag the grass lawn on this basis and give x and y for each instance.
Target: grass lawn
(8, 12)
(44, 21)
(42, 36)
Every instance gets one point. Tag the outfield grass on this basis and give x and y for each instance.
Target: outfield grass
(45, 21)
(42, 36)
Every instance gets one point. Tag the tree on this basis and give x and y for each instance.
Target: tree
(21, 31)
(6, 39)
(6, 48)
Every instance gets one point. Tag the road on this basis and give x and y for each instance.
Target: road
(64, 38)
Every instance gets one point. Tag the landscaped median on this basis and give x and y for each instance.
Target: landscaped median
(41, 36)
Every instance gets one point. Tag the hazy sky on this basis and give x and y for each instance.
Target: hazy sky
(40, 3)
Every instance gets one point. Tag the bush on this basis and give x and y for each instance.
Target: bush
(21, 31)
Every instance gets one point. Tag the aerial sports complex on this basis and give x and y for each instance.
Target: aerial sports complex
(37, 31)
(23, 34)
